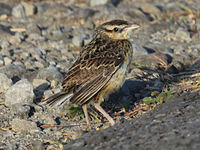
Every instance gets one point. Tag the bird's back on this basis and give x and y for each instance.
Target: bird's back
(97, 63)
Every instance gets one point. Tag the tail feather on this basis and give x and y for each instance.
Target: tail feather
(56, 100)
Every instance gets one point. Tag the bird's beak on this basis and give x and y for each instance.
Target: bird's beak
(131, 26)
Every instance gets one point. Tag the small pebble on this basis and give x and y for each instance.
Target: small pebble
(20, 92)
(5, 83)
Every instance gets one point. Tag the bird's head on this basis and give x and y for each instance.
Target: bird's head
(116, 29)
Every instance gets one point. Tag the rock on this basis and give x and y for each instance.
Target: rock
(29, 9)
(4, 44)
(39, 64)
(180, 51)
(19, 11)
(38, 145)
(78, 41)
(50, 73)
(13, 70)
(183, 35)
(33, 28)
(22, 110)
(5, 83)
(24, 9)
(5, 9)
(149, 8)
(138, 50)
(38, 82)
(54, 83)
(42, 7)
(173, 7)
(21, 92)
(49, 120)
(57, 35)
(37, 53)
(1, 61)
(99, 2)
(78, 144)
(40, 86)
(17, 38)
(3, 17)
(32, 37)
(155, 61)
(5, 32)
(20, 125)
(136, 13)
(7, 61)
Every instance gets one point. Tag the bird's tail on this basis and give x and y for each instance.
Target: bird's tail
(56, 100)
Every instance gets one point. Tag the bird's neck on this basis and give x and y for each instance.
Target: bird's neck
(100, 36)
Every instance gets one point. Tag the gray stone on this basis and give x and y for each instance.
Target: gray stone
(33, 28)
(13, 70)
(38, 145)
(40, 86)
(20, 125)
(29, 9)
(21, 110)
(17, 38)
(50, 73)
(79, 143)
(97, 2)
(21, 92)
(4, 44)
(183, 35)
(38, 82)
(173, 7)
(5, 9)
(5, 32)
(19, 11)
(57, 35)
(149, 8)
(1, 61)
(5, 83)
(138, 50)
(7, 61)
(39, 64)
(24, 9)
(49, 120)
(42, 7)
(136, 13)
(78, 41)
(34, 36)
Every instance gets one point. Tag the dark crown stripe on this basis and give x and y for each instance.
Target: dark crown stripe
(116, 22)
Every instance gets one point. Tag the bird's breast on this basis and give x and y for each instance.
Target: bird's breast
(117, 79)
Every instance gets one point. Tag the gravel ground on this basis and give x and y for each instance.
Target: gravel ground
(39, 41)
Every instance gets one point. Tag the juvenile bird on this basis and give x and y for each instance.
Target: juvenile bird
(99, 70)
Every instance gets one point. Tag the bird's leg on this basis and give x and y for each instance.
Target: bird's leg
(105, 114)
(84, 107)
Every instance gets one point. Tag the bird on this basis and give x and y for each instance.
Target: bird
(99, 70)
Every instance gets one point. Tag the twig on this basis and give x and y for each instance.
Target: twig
(2, 103)
(136, 110)
(5, 128)
(69, 125)
(18, 29)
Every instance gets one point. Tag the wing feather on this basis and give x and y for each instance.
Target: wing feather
(91, 72)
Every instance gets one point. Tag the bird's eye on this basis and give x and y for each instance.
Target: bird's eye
(116, 29)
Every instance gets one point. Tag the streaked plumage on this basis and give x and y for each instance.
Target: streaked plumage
(99, 70)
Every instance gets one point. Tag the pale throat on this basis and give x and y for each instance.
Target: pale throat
(119, 36)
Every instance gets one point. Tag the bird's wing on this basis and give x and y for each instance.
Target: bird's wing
(91, 72)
